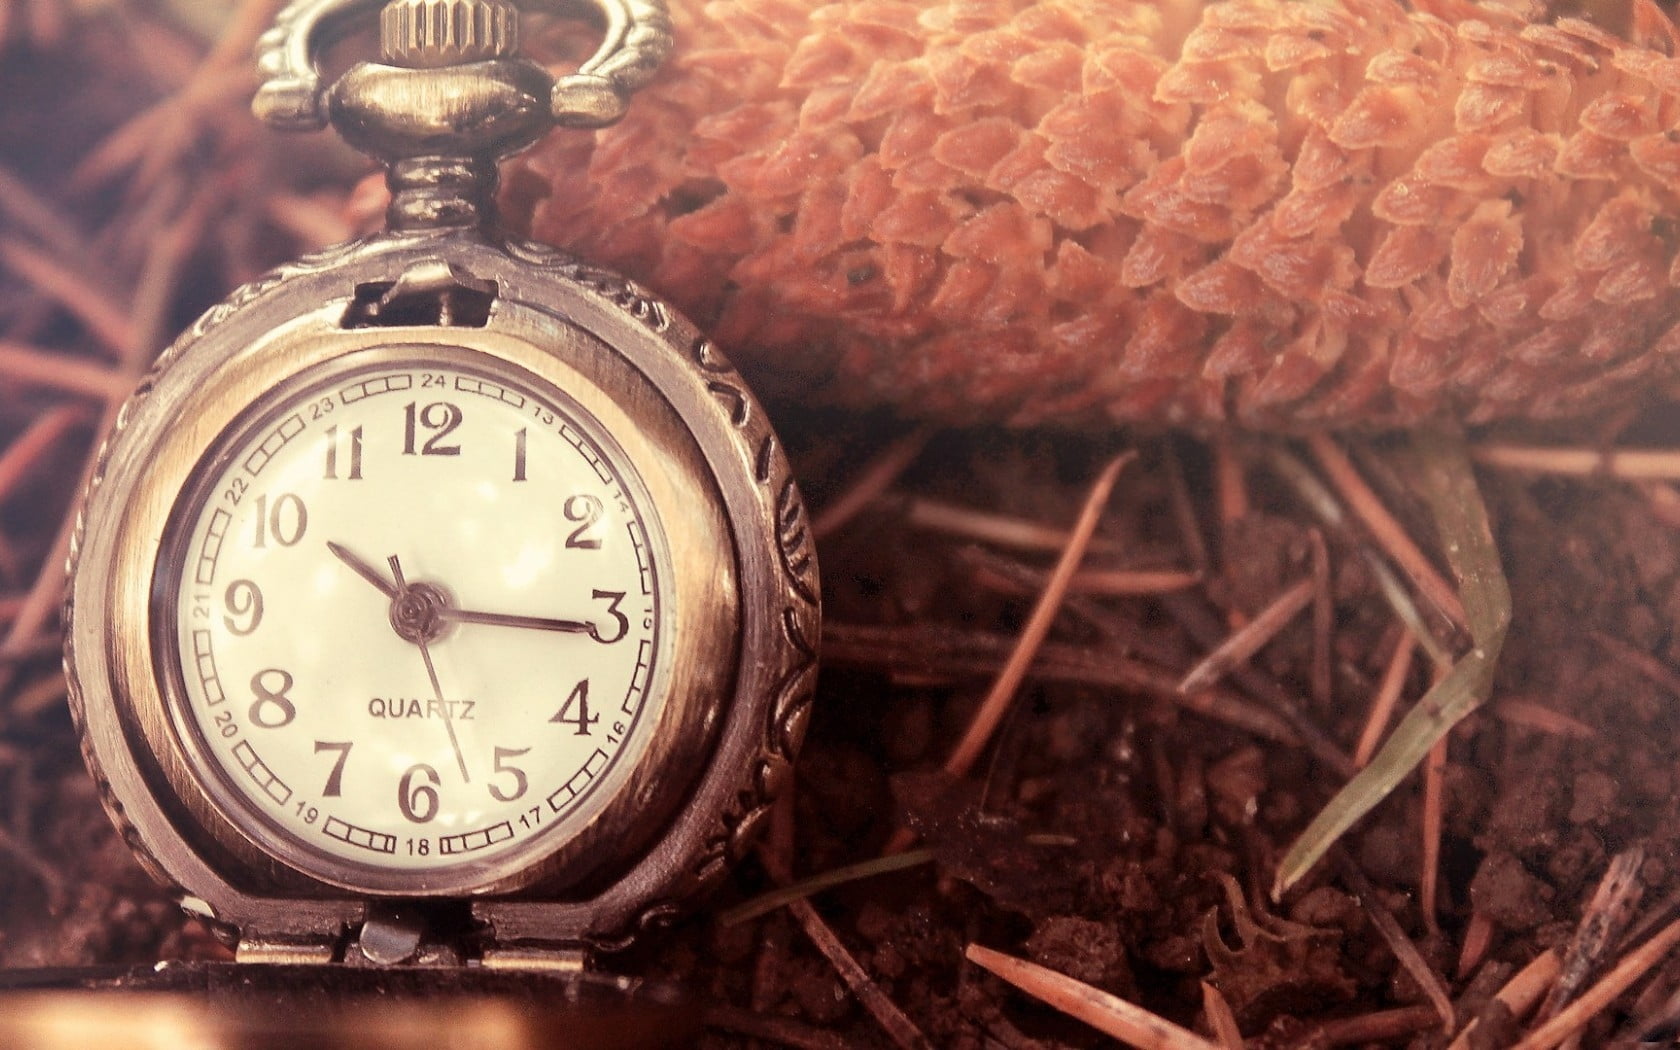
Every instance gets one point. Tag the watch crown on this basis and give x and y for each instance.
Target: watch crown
(428, 34)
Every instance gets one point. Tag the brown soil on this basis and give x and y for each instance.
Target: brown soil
(1102, 835)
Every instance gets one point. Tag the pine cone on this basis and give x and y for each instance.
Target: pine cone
(1262, 212)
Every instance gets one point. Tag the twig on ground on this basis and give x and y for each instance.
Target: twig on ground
(1208, 630)
(1658, 672)
(1606, 915)
(898, 1027)
(1231, 499)
(50, 878)
(28, 449)
(1576, 1016)
(1038, 623)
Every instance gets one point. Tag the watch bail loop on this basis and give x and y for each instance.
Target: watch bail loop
(293, 96)
(451, 97)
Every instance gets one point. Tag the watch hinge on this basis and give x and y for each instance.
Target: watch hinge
(557, 958)
(280, 950)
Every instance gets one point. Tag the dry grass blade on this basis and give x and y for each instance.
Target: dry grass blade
(1624, 464)
(1220, 1018)
(1575, 1017)
(782, 895)
(1449, 483)
(1249, 639)
(1400, 944)
(1384, 528)
(1125, 1021)
(875, 479)
(997, 700)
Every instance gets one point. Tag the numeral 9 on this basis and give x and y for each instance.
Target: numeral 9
(243, 599)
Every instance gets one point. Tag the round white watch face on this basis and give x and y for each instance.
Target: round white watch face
(414, 603)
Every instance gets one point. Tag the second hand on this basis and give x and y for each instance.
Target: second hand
(431, 672)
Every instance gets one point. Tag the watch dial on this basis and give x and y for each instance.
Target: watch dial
(415, 611)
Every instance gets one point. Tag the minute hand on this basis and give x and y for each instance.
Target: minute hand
(535, 623)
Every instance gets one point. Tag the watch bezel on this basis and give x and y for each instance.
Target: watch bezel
(754, 733)
(537, 858)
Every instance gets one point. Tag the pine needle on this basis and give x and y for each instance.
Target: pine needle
(1220, 1018)
(765, 903)
(1624, 464)
(1448, 481)
(1323, 503)
(1249, 639)
(875, 478)
(1043, 615)
(1125, 1021)
(1630, 969)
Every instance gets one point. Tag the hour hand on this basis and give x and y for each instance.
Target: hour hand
(535, 623)
(364, 570)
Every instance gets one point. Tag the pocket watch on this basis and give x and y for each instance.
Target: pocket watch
(440, 598)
